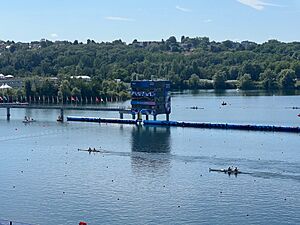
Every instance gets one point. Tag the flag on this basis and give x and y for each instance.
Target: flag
(97, 100)
(1, 99)
(77, 99)
(5, 98)
(72, 99)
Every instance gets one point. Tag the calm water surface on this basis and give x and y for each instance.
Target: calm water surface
(153, 175)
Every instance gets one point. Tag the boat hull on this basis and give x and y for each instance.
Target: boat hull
(224, 171)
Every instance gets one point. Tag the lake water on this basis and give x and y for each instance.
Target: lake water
(154, 175)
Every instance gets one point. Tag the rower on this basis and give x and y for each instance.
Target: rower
(229, 169)
(236, 170)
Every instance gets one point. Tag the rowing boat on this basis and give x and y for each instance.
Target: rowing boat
(28, 121)
(89, 150)
(94, 150)
(225, 171)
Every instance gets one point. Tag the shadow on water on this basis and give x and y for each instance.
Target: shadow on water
(150, 148)
(220, 92)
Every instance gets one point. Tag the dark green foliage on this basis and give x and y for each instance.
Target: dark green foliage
(187, 64)
(194, 82)
(245, 82)
(64, 89)
(287, 79)
(28, 91)
(269, 79)
(219, 80)
(48, 88)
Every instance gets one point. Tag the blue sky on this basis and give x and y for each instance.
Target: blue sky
(108, 20)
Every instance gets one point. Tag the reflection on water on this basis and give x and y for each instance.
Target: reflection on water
(150, 148)
(220, 92)
(150, 139)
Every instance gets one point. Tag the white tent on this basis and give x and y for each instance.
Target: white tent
(5, 86)
(9, 76)
(2, 76)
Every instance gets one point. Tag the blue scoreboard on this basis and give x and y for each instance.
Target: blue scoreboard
(150, 97)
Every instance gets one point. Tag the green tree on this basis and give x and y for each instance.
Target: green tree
(194, 81)
(287, 79)
(171, 40)
(252, 69)
(245, 82)
(28, 91)
(296, 67)
(48, 88)
(76, 92)
(64, 89)
(219, 80)
(174, 79)
(268, 78)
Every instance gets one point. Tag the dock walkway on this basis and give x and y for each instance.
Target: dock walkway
(62, 108)
(252, 127)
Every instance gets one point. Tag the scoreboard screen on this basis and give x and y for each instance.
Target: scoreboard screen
(150, 97)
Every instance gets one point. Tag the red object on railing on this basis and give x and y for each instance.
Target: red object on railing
(82, 223)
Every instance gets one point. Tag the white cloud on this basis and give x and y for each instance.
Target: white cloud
(54, 35)
(257, 4)
(182, 9)
(117, 18)
(207, 21)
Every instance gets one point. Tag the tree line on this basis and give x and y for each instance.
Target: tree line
(67, 90)
(191, 63)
